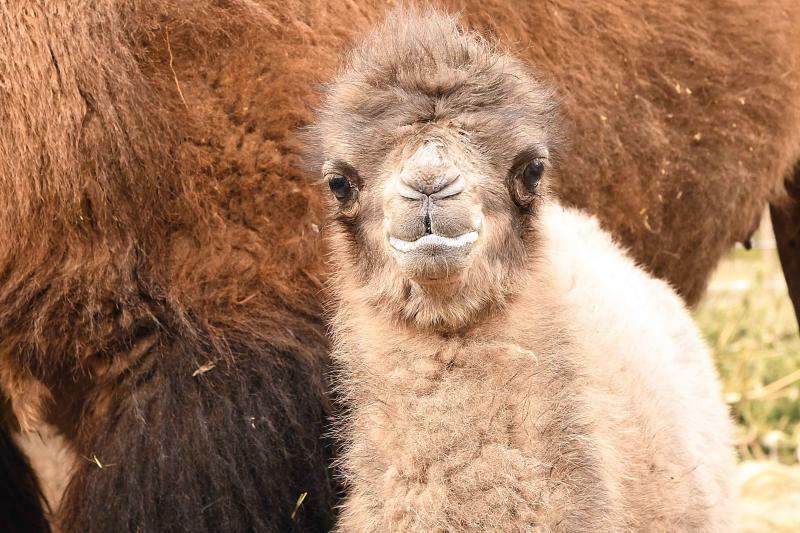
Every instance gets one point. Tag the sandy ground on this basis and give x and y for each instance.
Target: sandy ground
(769, 498)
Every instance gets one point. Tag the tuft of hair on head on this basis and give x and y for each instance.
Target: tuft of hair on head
(415, 55)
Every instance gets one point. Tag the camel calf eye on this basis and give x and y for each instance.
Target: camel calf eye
(340, 186)
(532, 174)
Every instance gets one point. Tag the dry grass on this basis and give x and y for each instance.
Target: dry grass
(749, 322)
(769, 497)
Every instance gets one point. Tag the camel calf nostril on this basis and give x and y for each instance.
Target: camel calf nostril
(429, 172)
(437, 186)
(451, 189)
(407, 191)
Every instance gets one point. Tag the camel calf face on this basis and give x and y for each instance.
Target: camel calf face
(438, 152)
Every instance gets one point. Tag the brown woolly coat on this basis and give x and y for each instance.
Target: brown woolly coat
(152, 203)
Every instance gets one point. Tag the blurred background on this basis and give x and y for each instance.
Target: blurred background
(748, 321)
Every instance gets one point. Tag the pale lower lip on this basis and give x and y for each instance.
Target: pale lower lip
(433, 241)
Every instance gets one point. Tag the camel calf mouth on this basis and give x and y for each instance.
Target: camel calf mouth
(432, 244)
(434, 258)
(433, 214)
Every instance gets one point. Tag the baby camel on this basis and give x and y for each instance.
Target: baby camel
(504, 365)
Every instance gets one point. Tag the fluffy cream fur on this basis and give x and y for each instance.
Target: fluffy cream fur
(527, 375)
(589, 403)
(53, 460)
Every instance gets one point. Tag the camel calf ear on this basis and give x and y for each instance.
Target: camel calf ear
(786, 225)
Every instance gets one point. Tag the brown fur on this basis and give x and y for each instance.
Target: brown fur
(505, 366)
(148, 176)
(678, 175)
(139, 249)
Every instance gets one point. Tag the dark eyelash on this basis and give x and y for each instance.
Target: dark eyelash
(345, 169)
(525, 157)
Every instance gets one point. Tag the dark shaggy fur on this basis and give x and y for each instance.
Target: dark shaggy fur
(158, 292)
(20, 510)
(154, 219)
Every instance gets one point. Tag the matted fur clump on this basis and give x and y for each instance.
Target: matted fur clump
(504, 365)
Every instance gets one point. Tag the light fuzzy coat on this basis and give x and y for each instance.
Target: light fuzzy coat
(588, 403)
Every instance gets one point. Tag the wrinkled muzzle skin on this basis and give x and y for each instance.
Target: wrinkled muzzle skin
(432, 210)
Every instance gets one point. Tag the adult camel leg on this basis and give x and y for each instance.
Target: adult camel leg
(786, 225)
